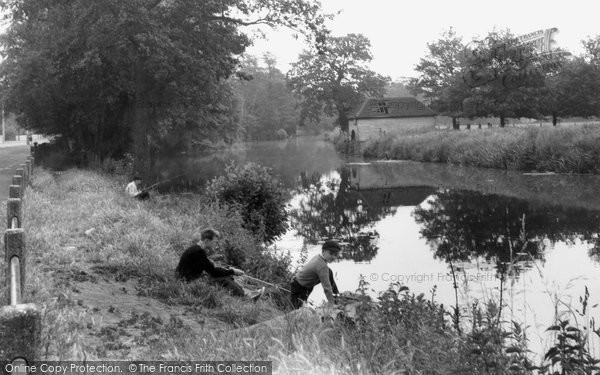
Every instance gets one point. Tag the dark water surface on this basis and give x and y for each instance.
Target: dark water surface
(532, 240)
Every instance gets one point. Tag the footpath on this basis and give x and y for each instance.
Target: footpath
(11, 157)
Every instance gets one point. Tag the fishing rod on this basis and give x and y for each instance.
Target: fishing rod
(162, 182)
(268, 283)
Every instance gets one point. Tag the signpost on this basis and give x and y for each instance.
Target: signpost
(541, 40)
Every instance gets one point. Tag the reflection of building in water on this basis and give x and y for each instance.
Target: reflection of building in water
(380, 176)
(393, 197)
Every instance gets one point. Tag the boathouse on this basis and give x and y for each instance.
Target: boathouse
(390, 116)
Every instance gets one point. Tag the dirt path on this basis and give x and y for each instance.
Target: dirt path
(120, 322)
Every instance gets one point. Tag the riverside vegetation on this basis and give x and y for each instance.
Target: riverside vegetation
(573, 149)
(101, 266)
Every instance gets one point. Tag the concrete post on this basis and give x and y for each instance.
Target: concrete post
(14, 246)
(18, 180)
(13, 213)
(25, 175)
(20, 333)
(29, 169)
(14, 191)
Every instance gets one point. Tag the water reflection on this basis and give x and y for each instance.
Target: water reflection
(288, 160)
(464, 226)
(330, 208)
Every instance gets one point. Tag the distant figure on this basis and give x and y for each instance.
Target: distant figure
(314, 272)
(133, 190)
(29, 137)
(194, 261)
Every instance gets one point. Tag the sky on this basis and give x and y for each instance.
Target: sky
(400, 30)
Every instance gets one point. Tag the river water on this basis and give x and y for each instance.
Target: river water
(530, 240)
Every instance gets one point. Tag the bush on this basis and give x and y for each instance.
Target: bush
(259, 197)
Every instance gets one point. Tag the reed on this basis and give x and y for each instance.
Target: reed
(572, 149)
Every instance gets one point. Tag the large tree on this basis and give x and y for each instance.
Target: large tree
(113, 75)
(505, 77)
(573, 91)
(333, 78)
(440, 80)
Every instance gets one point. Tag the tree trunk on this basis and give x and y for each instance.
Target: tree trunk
(554, 119)
(502, 121)
(455, 124)
(343, 121)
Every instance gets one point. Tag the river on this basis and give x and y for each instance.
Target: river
(530, 240)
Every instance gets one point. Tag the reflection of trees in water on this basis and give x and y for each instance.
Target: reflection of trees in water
(464, 226)
(329, 209)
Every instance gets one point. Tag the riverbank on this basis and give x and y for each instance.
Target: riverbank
(573, 149)
(101, 266)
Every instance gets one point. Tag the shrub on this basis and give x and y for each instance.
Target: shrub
(258, 196)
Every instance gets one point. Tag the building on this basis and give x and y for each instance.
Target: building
(390, 116)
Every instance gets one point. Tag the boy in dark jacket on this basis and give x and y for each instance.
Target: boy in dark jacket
(194, 261)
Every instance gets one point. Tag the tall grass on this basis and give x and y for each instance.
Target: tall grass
(574, 149)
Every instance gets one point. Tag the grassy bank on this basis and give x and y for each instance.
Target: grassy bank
(573, 149)
(101, 268)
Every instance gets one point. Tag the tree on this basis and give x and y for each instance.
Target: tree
(440, 81)
(573, 91)
(117, 75)
(592, 51)
(266, 105)
(506, 78)
(334, 78)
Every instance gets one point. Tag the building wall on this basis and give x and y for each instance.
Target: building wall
(373, 128)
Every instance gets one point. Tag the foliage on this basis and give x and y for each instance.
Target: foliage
(569, 352)
(334, 78)
(573, 90)
(505, 77)
(502, 77)
(138, 75)
(257, 195)
(266, 106)
(492, 349)
(440, 80)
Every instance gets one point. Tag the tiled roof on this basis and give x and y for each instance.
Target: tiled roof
(393, 107)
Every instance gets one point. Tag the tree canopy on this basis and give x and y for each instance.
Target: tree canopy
(500, 76)
(111, 76)
(267, 107)
(333, 79)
